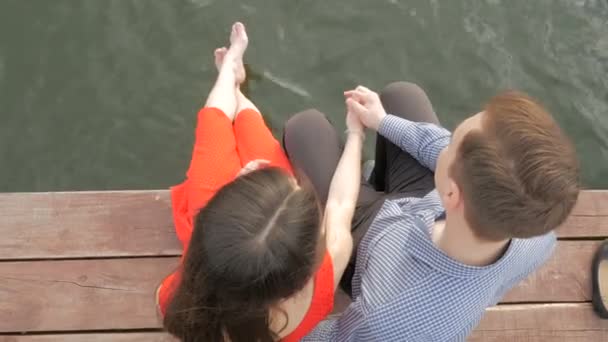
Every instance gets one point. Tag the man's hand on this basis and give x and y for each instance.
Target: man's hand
(366, 105)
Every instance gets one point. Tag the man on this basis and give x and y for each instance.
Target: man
(450, 222)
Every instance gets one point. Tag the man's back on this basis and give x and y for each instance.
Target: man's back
(406, 289)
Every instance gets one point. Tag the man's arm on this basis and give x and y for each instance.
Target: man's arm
(538, 249)
(424, 141)
(350, 326)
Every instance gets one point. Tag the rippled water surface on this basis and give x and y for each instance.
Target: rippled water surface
(102, 94)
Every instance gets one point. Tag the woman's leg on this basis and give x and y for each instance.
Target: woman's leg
(215, 161)
(253, 138)
(223, 95)
(243, 103)
(215, 143)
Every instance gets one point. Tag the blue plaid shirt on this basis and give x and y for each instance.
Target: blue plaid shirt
(404, 287)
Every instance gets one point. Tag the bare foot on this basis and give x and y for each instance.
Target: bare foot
(219, 57)
(238, 41)
(234, 54)
(239, 69)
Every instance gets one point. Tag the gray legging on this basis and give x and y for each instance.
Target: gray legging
(314, 149)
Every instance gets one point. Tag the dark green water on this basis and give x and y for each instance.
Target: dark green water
(102, 94)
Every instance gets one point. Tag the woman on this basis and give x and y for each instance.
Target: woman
(262, 259)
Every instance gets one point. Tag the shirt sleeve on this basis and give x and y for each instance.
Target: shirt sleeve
(537, 251)
(350, 326)
(424, 141)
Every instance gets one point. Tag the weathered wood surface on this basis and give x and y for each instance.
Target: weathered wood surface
(138, 223)
(541, 322)
(60, 295)
(592, 203)
(86, 224)
(95, 337)
(71, 295)
(566, 277)
(119, 245)
(520, 322)
(539, 336)
(589, 217)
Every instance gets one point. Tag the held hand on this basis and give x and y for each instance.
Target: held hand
(366, 105)
(353, 123)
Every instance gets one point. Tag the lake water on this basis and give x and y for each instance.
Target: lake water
(102, 94)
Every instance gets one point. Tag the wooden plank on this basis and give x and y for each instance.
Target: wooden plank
(566, 277)
(584, 226)
(86, 224)
(592, 203)
(139, 223)
(539, 336)
(97, 337)
(72, 295)
(119, 293)
(541, 322)
(501, 324)
(589, 217)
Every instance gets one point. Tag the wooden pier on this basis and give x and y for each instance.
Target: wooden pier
(84, 266)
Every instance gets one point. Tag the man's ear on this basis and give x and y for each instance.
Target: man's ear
(452, 198)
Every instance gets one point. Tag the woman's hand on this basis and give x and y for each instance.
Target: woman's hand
(353, 123)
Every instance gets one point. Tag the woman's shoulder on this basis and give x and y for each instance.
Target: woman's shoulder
(319, 295)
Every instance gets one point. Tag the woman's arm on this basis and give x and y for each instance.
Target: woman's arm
(342, 198)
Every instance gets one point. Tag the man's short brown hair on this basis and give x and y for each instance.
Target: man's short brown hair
(519, 174)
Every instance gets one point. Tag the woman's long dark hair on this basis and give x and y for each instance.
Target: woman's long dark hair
(255, 243)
